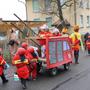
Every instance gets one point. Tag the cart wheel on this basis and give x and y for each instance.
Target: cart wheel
(89, 52)
(53, 71)
(67, 66)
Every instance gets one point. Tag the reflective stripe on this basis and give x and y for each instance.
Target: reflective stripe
(88, 43)
(19, 61)
(2, 62)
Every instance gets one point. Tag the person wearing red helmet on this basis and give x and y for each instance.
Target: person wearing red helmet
(88, 44)
(33, 62)
(2, 63)
(25, 46)
(20, 60)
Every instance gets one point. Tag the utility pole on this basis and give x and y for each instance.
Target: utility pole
(75, 15)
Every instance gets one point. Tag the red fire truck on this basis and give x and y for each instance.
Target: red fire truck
(58, 53)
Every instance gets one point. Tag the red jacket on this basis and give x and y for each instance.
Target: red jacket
(43, 35)
(2, 63)
(48, 34)
(22, 69)
(88, 44)
(32, 58)
(58, 34)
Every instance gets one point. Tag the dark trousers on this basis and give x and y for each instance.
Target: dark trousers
(23, 81)
(76, 55)
(3, 78)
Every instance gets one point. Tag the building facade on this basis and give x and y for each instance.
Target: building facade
(77, 13)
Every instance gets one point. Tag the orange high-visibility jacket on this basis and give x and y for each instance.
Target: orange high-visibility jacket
(75, 38)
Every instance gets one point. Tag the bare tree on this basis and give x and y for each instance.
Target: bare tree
(56, 7)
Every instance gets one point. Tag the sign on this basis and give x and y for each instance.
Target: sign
(66, 46)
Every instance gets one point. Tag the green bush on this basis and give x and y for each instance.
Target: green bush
(6, 55)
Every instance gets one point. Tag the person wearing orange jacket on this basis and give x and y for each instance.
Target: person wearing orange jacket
(20, 60)
(75, 39)
(65, 32)
(32, 63)
(2, 63)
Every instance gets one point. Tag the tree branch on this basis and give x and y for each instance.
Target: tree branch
(70, 2)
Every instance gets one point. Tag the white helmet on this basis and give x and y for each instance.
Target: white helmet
(44, 27)
(55, 30)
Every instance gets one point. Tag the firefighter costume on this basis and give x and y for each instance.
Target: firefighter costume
(88, 44)
(2, 63)
(45, 33)
(21, 61)
(56, 32)
(32, 62)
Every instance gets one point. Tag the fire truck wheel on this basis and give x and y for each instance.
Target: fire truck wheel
(53, 71)
(67, 66)
(89, 52)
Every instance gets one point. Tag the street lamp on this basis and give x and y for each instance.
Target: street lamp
(25, 7)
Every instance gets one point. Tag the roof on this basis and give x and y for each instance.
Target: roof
(59, 23)
(7, 25)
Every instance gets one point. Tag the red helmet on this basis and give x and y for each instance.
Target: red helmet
(89, 36)
(24, 45)
(30, 49)
(21, 51)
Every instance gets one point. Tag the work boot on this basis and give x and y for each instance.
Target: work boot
(24, 87)
(6, 81)
(76, 62)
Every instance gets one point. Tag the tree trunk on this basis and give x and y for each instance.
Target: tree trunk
(60, 13)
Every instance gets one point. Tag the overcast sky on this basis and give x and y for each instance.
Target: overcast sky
(8, 7)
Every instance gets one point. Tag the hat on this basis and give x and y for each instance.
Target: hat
(21, 51)
(41, 27)
(24, 45)
(76, 27)
(44, 27)
(55, 30)
(89, 36)
(64, 30)
(30, 49)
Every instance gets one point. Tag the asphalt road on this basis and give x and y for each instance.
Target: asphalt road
(77, 78)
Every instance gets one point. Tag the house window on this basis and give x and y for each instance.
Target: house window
(88, 21)
(2, 36)
(81, 4)
(47, 5)
(36, 7)
(49, 21)
(81, 20)
(87, 4)
(36, 19)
